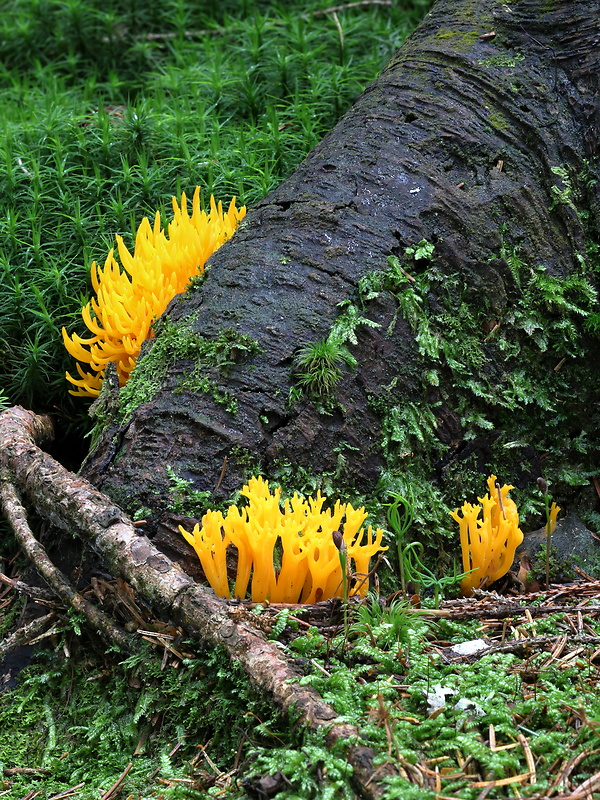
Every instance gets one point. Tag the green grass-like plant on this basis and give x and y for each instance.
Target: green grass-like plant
(320, 367)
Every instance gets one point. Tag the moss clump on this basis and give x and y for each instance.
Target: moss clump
(85, 718)
(498, 121)
(509, 374)
(502, 60)
(177, 342)
(460, 40)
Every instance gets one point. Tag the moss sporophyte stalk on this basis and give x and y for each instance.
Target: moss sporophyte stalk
(128, 302)
(302, 534)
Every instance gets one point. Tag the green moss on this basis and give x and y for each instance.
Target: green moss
(180, 342)
(460, 40)
(185, 500)
(498, 121)
(502, 60)
(84, 719)
(561, 570)
(320, 367)
(514, 362)
(197, 383)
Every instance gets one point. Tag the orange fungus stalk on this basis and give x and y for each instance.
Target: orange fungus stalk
(296, 535)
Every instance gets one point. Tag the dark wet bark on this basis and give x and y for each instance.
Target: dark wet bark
(454, 143)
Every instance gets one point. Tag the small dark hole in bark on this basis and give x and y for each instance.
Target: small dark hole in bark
(410, 117)
(284, 204)
(329, 167)
(399, 248)
(272, 421)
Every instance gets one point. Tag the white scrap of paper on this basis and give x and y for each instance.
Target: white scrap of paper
(469, 705)
(436, 698)
(468, 648)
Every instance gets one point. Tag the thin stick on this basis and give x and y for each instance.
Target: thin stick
(338, 25)
(15, 513)
(117, 785)
(35, 592)
(222, 475)
(528, 758)
(9, 771)
(25, 634)
(68, 792)
(361, 3)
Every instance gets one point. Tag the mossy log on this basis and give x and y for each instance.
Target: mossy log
(471, 161)
(479, 138)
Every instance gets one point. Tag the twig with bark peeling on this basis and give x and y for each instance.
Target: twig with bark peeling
(72, 503)
(39, 595)
(15, 514)
(25, 634)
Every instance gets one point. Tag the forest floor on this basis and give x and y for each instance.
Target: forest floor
(493, 696)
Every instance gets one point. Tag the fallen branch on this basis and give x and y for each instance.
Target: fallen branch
(72, 503)
(15, 514)
(36, 593)
(25, 634)
(523, 648)
(8, 772)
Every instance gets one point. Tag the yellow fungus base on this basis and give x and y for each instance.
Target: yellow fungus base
(301, 532)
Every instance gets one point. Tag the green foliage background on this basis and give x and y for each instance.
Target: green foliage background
(110, 108)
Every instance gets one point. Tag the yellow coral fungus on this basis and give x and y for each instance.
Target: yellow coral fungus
(554, 509)
(127, 302)
(488, 544)
(299, 534)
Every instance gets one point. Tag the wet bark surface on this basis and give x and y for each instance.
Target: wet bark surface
(454, 143)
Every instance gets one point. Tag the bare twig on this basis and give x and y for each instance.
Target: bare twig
(35, 592)
(117, 785)
(25, 634)
(68, 792)
(334, 9)
(8, 772)
(15, 513)
(338, 25)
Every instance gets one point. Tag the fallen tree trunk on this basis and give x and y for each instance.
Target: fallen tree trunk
(478, 141)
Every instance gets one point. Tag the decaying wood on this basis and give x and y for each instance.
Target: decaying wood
(100, 622)
(69, 502)
(455, 143)
(42, 596)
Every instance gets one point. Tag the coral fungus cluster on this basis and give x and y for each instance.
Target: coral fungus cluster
(127, 302)
(298, 535)
(489, 536)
